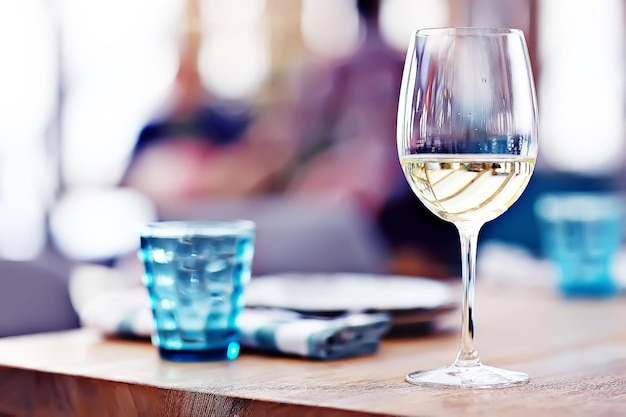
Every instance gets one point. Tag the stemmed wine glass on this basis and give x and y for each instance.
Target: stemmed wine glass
(467, 143)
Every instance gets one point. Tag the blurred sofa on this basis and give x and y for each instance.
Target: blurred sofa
(34, 296)
(302, 234)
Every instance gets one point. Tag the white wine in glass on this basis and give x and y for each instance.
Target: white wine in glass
(467, 143)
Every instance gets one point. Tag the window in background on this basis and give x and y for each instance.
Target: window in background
(400, 18)
(330, 28)
(119, 60)
(28, 106)
(234, 50)
(582, 88)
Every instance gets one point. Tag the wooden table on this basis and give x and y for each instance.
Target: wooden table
(574, 351)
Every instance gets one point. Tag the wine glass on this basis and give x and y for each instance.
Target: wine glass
(467, 143)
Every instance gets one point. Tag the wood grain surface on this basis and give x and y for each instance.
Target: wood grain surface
(574, 351)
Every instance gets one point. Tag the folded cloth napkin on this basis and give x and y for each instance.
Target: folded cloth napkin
(314, 337)
(126, 313)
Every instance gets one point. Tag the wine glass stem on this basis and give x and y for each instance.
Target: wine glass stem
(467, 355)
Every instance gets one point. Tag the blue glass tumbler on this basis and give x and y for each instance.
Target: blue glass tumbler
(581, 234)
(196, 273)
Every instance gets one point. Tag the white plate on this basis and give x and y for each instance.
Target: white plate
(336, 293)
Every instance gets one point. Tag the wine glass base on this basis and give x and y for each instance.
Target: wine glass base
(472, 377)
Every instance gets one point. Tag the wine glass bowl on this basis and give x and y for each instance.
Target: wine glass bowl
(467, 188)
(467, 143)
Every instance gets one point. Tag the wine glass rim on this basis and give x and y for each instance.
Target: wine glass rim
(467, 31)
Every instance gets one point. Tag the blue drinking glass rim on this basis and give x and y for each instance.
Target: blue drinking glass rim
(468, 31)
(213, 227)
(579, 205)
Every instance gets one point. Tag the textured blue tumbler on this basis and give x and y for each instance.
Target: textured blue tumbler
(582, 234)
(196, 273)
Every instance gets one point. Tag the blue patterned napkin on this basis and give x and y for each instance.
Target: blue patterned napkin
(313, 337)
(126, 313)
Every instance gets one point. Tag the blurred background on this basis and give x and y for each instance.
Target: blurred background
(115, 113)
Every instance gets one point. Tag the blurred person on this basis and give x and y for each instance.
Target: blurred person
(201, 156)
(199, 145)
(348, 118)
(348, 151)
